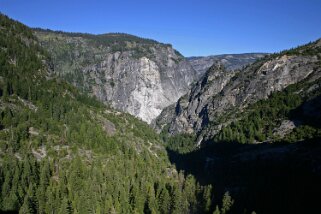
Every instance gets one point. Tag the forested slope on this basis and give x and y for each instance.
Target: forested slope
(63, 152)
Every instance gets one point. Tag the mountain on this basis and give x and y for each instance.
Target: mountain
(214, 101)
(230, 61)
(186, 116)
(239, 141)
(254, 132)
(132, 74)
(62, 151)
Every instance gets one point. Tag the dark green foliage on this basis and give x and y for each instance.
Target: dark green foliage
(301, 133)
(63, 152)
(182, 143)
(304, 50)
(113, 41)
(105, 39)
(258, 121)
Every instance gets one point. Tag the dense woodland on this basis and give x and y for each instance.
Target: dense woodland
(64, 152)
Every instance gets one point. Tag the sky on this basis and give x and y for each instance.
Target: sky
(193, 27)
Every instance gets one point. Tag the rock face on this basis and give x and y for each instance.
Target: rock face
(135, 75)
(191, 110)
(220, 92)
(230, 61)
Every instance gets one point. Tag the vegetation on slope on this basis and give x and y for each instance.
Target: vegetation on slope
(258, 121)
(119, 40)
(263, 171)
(63, 152)
(73, 54)
(61, 44)
(267, 154)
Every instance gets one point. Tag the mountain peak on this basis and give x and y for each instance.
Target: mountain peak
(132, 74)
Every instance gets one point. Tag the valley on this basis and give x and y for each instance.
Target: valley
(115, 123)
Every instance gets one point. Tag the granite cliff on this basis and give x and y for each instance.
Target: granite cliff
(135, 75)
(220, 93)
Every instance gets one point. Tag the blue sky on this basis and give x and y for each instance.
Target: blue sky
(194, 27)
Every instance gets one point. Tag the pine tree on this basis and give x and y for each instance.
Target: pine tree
(217, 210)
(164, 200)
(176, 201)
(227, 203)
(64, 207)
(207, 198)
(27, 206)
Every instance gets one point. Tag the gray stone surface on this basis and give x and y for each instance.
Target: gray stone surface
(142, 79)
(230, 61)
(221, 92)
